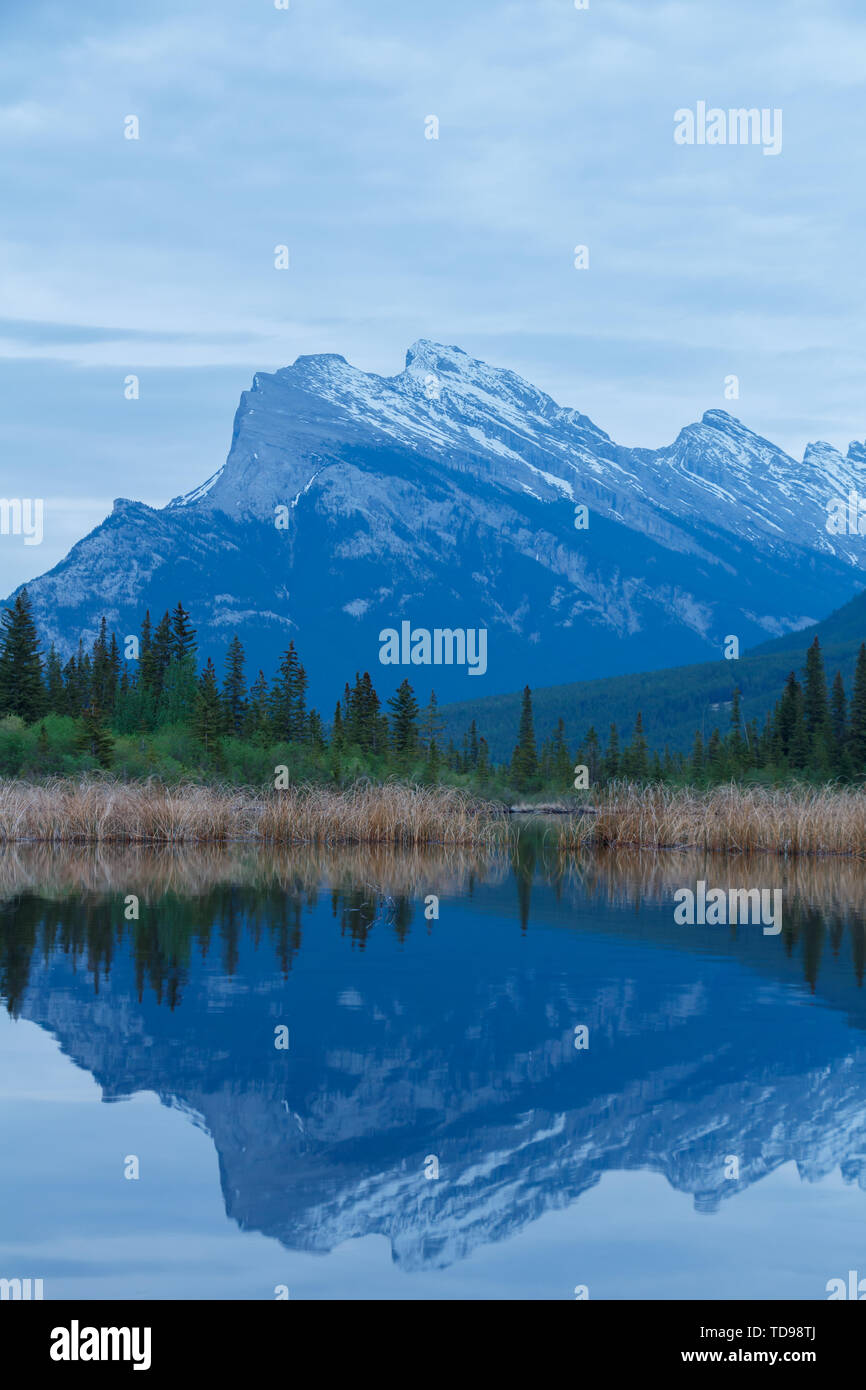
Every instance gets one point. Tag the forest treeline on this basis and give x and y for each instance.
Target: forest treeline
(158, 710)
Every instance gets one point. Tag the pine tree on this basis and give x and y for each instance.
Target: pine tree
(103, 681)
(839, 722)
(697, 762)
(54, 688)
(816, 708)
(288, 698)
(524, 762)
(183, 643)
(432, 723)
(431, 763)
(179, 688)
(561, 764)
(146, 663)
(114, 662)
(636, 757)
(366, 727)
(94, 738)
(338, 737)
(753, 744)
(483, 773)
(161, 652)
(404, 721)
(857, 715)
(315, 735)
(257, 717)
(715, 759)
(789, 733)
(209, 711)
(472, 750)
(71, 704)
(22, 690)
(736, 749)
(612, 757)
(234, 687)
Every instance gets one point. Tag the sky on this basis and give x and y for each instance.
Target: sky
(305, 127)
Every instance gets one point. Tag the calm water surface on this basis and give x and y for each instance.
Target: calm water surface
(415, 1042)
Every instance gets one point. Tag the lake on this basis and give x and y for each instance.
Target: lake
(233, 1073)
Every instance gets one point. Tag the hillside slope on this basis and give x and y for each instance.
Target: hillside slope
(674, 703)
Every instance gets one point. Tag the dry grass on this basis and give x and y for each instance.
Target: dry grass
(153, 871)
(731, 820)
(102, 811)
(830, 885)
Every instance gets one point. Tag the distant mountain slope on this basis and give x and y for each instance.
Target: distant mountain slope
(676, 702)
(446, 496)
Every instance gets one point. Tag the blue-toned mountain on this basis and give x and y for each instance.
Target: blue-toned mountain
(447, 496)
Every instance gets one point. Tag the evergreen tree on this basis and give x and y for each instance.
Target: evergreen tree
(736, 745)
(22, 690)
(561, 765)
(209, 711)
(590, 755)
(234, 688)
(816, 708)
(338, 738)
(54, 688)
(432, 723)
(612, 756)
(315, 735)
(288, 698)
(183, 643)
(483, 762)
(161, 652)
(365, 725)
(94, 738)
(404, 721)
(697, 762)
(472, 748)
(257, 716)
(431, 763)
(524, 762)
(790, 738)
(839, 723)
(179, 689)
(146, 663)
(715, 759)
(636, 756)
(857, 715)
(103, 678)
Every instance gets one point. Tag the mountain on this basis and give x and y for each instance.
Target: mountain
(447, 496)
(673, 702)
(465, 1052)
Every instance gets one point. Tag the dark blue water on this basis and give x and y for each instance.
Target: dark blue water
(709, 1142)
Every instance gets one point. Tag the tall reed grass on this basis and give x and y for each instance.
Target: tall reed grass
(730, 819)
(104, 811)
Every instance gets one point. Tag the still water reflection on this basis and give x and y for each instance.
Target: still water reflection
(710, 1141)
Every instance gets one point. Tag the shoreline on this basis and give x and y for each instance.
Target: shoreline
(786, 822)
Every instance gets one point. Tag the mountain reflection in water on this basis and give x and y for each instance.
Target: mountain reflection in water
(451, 1037)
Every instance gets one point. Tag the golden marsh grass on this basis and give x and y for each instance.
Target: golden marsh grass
(104, 811)
(789, 821)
